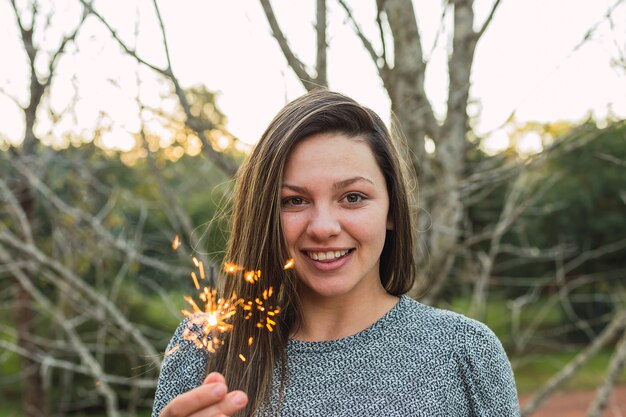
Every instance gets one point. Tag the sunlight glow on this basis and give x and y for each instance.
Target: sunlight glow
(429, 145)
(528, 144)
(118, 139)
(496, 142)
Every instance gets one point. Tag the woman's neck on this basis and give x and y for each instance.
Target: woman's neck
(325, 318)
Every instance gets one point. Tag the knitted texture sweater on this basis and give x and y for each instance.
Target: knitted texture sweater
(414, 361)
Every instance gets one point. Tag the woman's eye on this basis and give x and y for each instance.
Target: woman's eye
(292, 201)
(354, 198)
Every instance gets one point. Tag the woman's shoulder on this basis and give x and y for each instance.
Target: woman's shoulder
(440, 328)
(428, 317)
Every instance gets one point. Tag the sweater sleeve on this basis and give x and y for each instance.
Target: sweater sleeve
(183, 369)
(486, 373)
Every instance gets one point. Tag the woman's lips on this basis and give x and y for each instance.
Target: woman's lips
(329, 264)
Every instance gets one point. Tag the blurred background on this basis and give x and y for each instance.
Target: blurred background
(123, 124)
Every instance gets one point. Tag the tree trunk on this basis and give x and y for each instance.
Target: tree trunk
(34, 393)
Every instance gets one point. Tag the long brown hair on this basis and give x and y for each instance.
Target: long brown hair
(256, 239)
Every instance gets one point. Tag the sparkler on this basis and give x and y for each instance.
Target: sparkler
(211, 319)
(176, 242)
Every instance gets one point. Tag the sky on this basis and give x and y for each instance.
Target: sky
(534, 61)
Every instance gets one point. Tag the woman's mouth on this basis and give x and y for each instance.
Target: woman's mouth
(328, 256)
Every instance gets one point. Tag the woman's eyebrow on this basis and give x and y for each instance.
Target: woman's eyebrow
(295, 188)
(338, 185)
(342, 184)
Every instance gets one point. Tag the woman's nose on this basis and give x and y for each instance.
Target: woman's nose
(323, 224)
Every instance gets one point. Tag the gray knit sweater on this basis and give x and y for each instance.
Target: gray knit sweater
(414, 361)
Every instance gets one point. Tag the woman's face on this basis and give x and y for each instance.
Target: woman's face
(334, 215)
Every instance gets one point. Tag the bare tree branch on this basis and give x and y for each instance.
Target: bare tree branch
(61, 49)
(617, 324)
(149, 383)
(218, 158)
(163, 37)
(76, 283)
(408, 76)
(128, 50)
(618, 362)
(381, 33)
(568, 308)
(594, 254)
(298, 67)
(321, 77)
(383, 70)
(513, 209)
(95, 369)
(97, 226)
(17, 211)
(612, 159)
(488, 20)
(10, 97)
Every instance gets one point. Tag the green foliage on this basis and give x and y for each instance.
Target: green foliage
(534, 370)
(85, 189)
(581, 213)
(589, 211)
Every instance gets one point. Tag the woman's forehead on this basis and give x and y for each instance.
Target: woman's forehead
(333, 158)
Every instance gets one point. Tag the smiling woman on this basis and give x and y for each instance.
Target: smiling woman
(325, 186)
(335, 217)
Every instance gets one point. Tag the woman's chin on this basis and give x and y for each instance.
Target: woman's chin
(324, 291)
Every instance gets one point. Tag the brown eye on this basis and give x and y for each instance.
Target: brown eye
(292, 202)
(354, 198)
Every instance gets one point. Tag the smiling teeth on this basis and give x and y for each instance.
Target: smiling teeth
(324, 256)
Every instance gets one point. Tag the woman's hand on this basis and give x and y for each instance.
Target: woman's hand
(211, 399)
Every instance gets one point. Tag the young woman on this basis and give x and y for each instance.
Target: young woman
(325, 186)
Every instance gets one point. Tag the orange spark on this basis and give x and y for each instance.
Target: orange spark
(208, 324)
(201, 268)
(289, 264)
(231, 268)
(176, 243)
(210, 318)
(252, 276)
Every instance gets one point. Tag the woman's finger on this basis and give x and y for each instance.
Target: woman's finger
(214, 377)
(233, 402)
(200, 398)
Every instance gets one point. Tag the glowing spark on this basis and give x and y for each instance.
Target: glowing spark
(176, 243)
(231, 268)
(252, 276)
(208, 324)
(195, 280)
(289, 264)
(212, 320)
